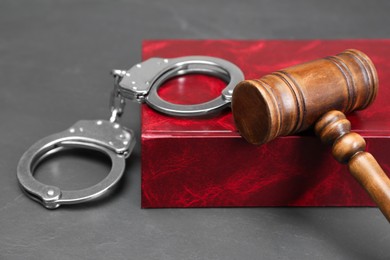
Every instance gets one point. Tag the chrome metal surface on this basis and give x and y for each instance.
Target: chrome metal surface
(141, 82)
(104, 136)
(117, 101)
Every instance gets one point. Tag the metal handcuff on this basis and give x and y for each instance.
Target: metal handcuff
(140, 83)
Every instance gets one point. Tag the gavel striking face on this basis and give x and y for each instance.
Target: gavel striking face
(316, 93)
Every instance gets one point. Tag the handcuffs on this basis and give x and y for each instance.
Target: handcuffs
(140, 83)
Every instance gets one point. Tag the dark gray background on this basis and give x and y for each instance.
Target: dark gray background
(54, 62)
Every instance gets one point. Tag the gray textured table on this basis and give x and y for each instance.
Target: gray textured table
(54, 62)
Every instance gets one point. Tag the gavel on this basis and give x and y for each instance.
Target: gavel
(316, 94)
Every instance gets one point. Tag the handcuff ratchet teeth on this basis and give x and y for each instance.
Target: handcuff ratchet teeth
(140, 83)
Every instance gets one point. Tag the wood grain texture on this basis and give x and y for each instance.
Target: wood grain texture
(348, 147)
(291, 100)
(317, 93)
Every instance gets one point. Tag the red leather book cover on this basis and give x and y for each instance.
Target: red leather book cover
(203, 162)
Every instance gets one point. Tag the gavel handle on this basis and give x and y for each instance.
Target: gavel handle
(348, 147)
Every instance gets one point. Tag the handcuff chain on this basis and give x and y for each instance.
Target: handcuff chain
(117, 101)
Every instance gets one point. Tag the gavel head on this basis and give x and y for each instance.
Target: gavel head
(291, 100)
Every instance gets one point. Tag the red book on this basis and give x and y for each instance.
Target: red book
(203, 162)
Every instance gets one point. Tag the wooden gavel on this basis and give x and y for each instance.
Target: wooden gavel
(316, 93)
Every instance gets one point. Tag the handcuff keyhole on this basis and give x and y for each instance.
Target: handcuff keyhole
(73, 169)
(191, 89)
